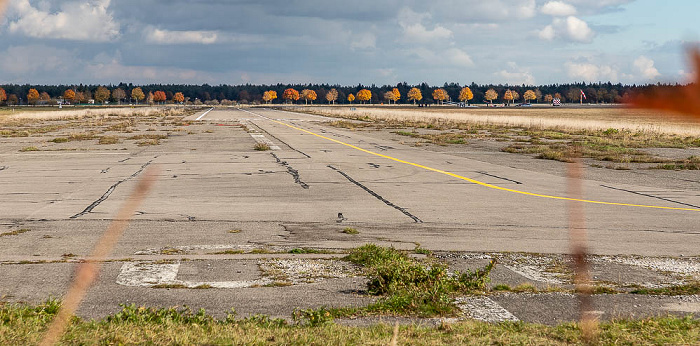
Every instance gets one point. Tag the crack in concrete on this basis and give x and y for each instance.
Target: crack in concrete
(377, 196)
(292, 171)
(497, 177)
(652, 196)
(110, 190)
(279, 140)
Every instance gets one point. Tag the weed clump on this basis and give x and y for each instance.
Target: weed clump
(411, 287)
(350, 230)
(261, 147)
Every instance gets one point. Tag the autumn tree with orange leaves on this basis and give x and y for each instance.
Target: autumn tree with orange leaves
(137, 93)
(33, 96)
(440, 95)
(102, 94)
(159, 96)
(179, 97)
(44, 96)
(508, 96)
(364, 95)
(3, 95)
(290, 95)
(351, 98)
(397, 94)
(69, 95)
(414, 95)
(490, 95)
(466, 94)
(269, 95)
(331, 96)
(548, 98)
(529, 96)
(308, 95)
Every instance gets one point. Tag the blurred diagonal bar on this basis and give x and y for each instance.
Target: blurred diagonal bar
(579, 250)
(87, 272)
(3, 7)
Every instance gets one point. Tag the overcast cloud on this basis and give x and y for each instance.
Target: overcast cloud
(321, 41)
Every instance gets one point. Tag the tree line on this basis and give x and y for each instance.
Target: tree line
(423, 93)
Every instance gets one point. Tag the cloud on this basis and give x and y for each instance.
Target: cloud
(86, 20)
(364, 41)
(548, 33)
(515, 76)
(571, 28)
(459, 57)
(159, 36)
(558, 9)
(24, 61)
(645, 67)
(589, 72)
(415, 31)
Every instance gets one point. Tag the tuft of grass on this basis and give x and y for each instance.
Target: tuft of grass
(422, 251)
(261, 147)
(604, 290)
(501, 288)
(523, 288)
(228, 252)
(414, 288)
(234, 231)
(59, 140)
(15, 232)
(30, 148)
(678, 290)
(176, 286)
(306, 250)
(350, 230)
(171, 251)
(108, 140)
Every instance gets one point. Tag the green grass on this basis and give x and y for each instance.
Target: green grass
(30, 148)
(15, 232)
(309, 251)
(350, 230)
(261, 147)
(26, 324)
(410, 287)
(678, 290)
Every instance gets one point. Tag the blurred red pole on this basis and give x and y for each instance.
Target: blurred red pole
(88, 271)
(579, 251)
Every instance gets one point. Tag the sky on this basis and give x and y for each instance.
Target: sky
(380, 42)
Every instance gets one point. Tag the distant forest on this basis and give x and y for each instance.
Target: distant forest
(253, 94)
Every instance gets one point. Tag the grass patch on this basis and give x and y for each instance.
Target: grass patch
(409, 287)
(261, 147)
(30, 148)
(350, 230)
(15, 232)
(59, 140)
(679, 290)
(306, 250)
(108, 140)
(228, 252)
(176, 286)
(26, 324)
(234, 231)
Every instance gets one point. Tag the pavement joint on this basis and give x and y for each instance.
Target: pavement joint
(387, 202)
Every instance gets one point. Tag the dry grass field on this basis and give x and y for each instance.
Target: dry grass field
(564, 118)
(52, 113)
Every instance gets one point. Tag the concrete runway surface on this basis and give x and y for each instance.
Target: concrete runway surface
(217, 200)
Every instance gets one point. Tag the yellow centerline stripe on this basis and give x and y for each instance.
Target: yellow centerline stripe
(472, 180)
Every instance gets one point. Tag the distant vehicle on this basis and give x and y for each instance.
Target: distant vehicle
(524, 105)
